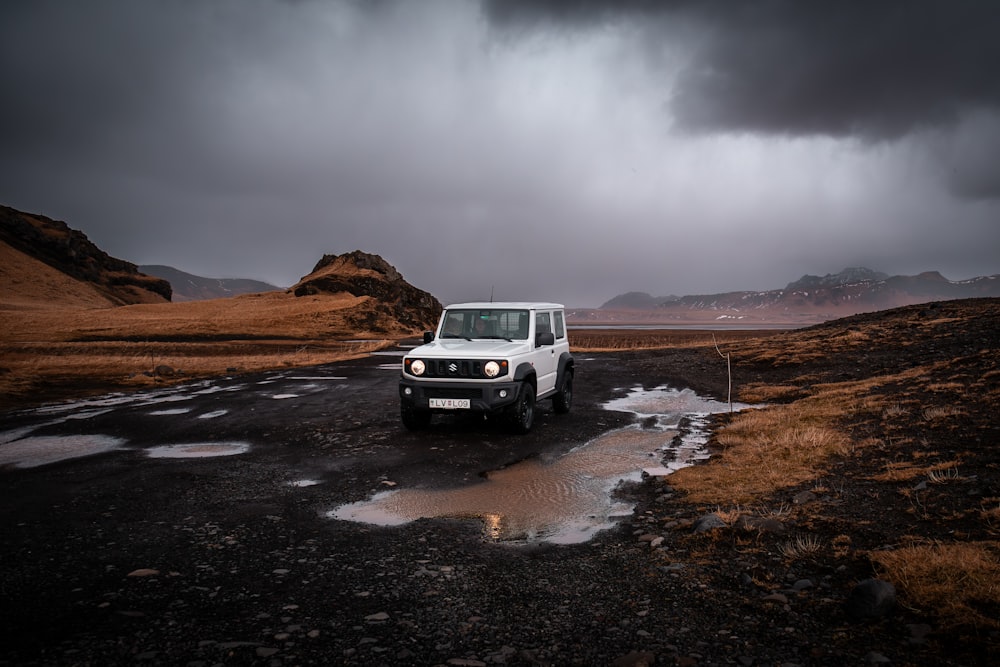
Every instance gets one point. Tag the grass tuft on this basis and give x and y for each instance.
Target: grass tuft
(956, 582)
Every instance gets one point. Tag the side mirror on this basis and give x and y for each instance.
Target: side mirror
(547, 338)
(428, 336)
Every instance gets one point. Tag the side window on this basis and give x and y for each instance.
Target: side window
(560, 327)
(543, 323)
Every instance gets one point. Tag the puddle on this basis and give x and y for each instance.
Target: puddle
(172, 411)
(172, 398)
(304, 482)
(213, 414)
(569, 499)
(198, 450)
(18, 433)
(42, 450)
(284, 396)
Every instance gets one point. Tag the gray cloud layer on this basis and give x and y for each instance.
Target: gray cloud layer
(560, 150)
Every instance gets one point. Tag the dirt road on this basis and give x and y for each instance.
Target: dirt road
(198, 533)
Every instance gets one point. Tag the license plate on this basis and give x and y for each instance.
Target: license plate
(449, 403)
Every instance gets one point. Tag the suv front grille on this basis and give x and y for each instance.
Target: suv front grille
(454, 368)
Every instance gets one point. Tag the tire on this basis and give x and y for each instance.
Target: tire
(523, 415)
(413, 418)
(563, 400)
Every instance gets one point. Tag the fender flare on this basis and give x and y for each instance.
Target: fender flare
(565, 364)
(525, 372)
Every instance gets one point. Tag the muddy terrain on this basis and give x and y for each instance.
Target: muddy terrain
(198, 531)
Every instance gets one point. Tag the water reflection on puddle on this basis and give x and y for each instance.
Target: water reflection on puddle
(31, 452)
(198, 450)
(569, 499)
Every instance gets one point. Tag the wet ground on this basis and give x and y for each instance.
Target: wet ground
(561, 494)
(230, 504)
(201, 527)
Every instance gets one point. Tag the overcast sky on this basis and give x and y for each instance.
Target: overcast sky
(566, 151)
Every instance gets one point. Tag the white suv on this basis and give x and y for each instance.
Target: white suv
(489, 358)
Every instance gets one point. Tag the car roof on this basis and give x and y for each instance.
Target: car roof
(525, 305)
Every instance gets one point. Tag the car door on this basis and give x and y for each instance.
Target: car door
(545, 360)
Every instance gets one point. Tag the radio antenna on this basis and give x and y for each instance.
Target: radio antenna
(491, 293)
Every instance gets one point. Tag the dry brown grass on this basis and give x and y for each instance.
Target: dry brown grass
(617, 340)
(783, 446)
(762, 451)
(957, 582)
(48, 351)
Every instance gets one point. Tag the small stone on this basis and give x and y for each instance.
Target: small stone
(803, 497)
(802, 584)
(872, 598)
(143, 572)
(777, 598)
(876, 658)
(708, 522)
(918, 633)
(635, 659)
(377, 618)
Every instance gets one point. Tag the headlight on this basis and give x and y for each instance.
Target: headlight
(491, 369)
(417, 367)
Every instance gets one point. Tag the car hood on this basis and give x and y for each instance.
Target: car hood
(474, 349)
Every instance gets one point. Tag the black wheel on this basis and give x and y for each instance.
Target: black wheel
(523, 415)
(563, 399)
(414, 418)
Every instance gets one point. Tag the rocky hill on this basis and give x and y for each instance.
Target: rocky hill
(189, 287)
(61, 266)
(362, 274)
(808, 300)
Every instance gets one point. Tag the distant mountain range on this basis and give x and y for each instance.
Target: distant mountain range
(189, 287)
(808, 300)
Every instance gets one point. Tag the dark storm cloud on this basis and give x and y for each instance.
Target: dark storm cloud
(876, 69)
(568, 151)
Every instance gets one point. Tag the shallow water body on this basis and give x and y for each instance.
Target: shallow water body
(569, 499)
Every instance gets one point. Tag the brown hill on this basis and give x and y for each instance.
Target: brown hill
(49, 265)
(360, 274)
(350, 306)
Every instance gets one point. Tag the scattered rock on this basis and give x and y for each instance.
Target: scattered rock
(803, 497)
(143, 572)
(708, 522)
(870, 599)
(635, 659)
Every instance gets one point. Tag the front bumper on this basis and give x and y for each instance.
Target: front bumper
(483, 397)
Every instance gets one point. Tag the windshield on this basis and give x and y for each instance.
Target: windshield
(485, 323)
